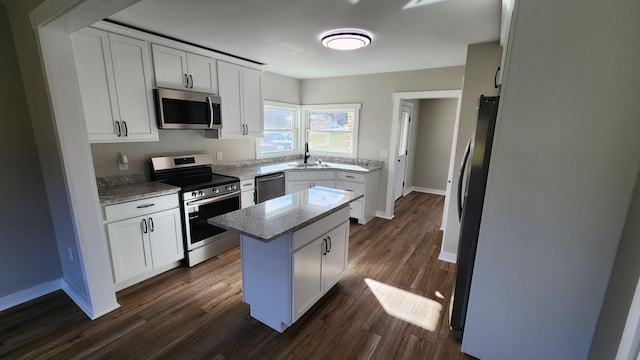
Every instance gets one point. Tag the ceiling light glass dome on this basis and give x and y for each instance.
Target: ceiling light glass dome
(346, 39)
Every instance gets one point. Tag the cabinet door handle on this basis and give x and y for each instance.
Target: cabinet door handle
(126, 130)
(329, 237)
(145, 229)
(151, 225)
(191, 77)
(210, 112)
(118, 128)
(349, 176)
(145, 206)
(324, 248)
(186, 81)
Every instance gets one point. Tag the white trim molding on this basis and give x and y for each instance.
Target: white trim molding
(29, 294)
(427, 190)
(448, 257)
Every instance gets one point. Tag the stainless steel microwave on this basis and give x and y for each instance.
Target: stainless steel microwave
(178, 109)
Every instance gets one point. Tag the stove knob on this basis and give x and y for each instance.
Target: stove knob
(200, 193)
(194, 194)
(215, 191)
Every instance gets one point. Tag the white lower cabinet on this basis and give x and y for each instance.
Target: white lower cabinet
(317, 267)
(305, 179)
(284, 278)
(247, 192)
(363, 209)
(145, 245)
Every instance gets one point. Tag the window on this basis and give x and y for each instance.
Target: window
(281, 130)
(332, 130)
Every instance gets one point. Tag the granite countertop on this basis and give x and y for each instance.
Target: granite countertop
(127, 192)
(273, 218)
(249, 171)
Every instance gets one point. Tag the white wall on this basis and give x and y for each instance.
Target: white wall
(375, 93)
(28, 245)
(433, 146)
(563, 170)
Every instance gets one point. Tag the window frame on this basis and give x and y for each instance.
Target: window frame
(355, 107)
(298, 130)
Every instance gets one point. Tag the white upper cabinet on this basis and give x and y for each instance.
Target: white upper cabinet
(241, 101)
(183, 70)
(114, 76)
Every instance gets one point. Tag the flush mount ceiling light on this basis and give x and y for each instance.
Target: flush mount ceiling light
(346, 39)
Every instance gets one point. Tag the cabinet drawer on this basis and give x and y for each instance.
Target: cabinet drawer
(357, 188)
(349, 176)
(311, 175)
(247, 184)
(140, 207)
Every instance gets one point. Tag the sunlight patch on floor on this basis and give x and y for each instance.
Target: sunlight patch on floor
(406, 306)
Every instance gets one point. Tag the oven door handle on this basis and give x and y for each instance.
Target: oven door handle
(212, 199)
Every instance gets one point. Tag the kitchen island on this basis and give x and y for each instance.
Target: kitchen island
(294, 249)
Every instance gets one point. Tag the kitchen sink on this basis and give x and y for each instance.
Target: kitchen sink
(308, 166)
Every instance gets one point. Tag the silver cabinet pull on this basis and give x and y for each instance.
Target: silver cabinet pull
(329, 237)
(186, 81)
(118, 128)
(145, 229)
(126, 130)
(151, 226)
(145, 206)
(191, 77)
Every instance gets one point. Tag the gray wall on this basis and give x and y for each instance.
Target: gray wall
(275, 87)
(622, 285)
(563, 171)
(28, 245)
(375, 93)
(433, 146)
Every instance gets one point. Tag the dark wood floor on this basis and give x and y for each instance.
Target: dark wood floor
(198, 313)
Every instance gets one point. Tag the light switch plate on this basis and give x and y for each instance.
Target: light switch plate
(219, 155)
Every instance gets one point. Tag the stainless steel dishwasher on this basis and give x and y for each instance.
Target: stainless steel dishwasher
(269, 187)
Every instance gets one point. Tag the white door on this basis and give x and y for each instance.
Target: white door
(165, 233)
(336, 256)
(203, 74)
(129, 248)
(252, 105)
(401, 156)
(229, 77)
(307, 276)
(170, 67)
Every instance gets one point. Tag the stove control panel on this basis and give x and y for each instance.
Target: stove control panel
(211, 191)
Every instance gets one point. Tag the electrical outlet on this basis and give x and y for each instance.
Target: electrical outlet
(384, 154)
(219, 155)
(70, 253)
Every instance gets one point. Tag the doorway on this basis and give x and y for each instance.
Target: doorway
(395, 170)
(403, 144)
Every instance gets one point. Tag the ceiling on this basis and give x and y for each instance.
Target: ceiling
(285, 34)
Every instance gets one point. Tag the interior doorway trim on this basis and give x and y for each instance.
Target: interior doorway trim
(393, 143)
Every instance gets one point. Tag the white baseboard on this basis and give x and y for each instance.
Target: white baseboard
(382, 214)
(448, 257)
(29, 294)
(428, 190)
(83, 303)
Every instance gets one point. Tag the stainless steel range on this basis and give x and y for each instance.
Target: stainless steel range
(203, 195)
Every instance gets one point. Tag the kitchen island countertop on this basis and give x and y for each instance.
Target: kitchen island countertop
(271, 219)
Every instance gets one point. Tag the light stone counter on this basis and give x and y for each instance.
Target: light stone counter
(127, 192)
(271, 219)
(246, 171)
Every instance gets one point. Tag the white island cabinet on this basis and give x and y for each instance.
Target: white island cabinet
(294, 250)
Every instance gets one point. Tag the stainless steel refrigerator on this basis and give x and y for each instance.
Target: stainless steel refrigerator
(472, 182)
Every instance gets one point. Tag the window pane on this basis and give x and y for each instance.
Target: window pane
(277, 119)
(274, 141)
(331, 141)
(331, 120)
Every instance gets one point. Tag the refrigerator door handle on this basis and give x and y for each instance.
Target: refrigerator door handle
(463, 167)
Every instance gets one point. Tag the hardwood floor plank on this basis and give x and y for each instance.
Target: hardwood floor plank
(198, 313)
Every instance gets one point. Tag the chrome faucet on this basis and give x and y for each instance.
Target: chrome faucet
(307, 154)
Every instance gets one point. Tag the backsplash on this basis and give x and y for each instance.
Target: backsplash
(121, 179)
